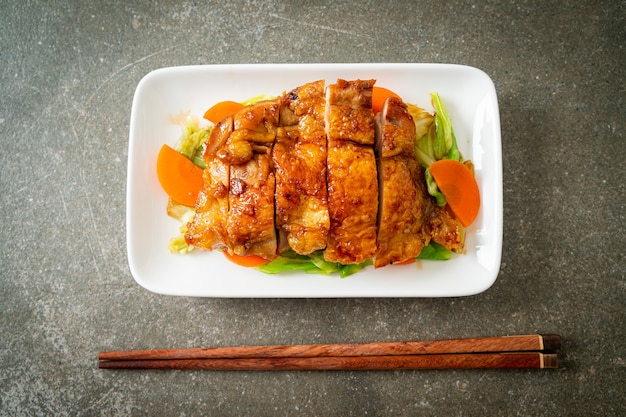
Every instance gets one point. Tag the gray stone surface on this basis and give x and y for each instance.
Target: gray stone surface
(67, 78)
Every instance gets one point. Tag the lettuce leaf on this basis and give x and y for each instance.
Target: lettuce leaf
(311, 264)
(315, 263)
(438, 143)
(435, 252)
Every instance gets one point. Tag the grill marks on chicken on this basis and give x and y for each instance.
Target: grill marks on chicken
(352, 178)
(402, 198)
(316, 166)
(299, 157)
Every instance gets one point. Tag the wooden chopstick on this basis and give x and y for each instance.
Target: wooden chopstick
(523, 351)
(511, 360)
(519, 343)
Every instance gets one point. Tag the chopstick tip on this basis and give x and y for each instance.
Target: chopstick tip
(551, 341)
(550, 361)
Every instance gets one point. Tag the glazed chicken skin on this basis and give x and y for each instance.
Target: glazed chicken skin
(208, 228)
(250, 223)
(351, 176)
(299, 156)
(235, 208)
(444, 228)
(402, 194)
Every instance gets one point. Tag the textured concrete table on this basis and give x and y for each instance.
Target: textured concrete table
(68, 74)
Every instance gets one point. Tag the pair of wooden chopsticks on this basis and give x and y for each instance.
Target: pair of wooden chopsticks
(523, 351)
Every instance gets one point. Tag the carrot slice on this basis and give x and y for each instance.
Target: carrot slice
(221, 110)
(458, 185)
(379, 96)
(406, 262)
(180, 178)
(247, 260)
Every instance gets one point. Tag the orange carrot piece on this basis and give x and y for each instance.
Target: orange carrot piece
(221, 110)
(458, 185)
(379, 96)
(250, 261)
(180, 178)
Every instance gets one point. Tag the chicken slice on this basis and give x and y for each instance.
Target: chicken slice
(445, 229)
(254, 130)
(250, 222)
(402, 199)
(351, 172)
(299, 157)
(349, 111)
(207, 230)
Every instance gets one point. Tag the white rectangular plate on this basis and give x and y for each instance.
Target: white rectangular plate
(164, 95)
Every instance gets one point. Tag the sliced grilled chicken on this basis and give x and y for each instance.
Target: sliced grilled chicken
(250, 223)
(305, 165)
(207, 230)
(403, 197)
(299, 157)
(445, 229)
(352, 179)
(349, 111)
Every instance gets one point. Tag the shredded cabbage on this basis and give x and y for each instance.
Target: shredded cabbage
(178, 244)
(191, 141)
(439, 142)
(256, 99)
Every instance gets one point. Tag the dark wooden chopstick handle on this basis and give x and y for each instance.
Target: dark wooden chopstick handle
(516, 343)
(520, 360)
